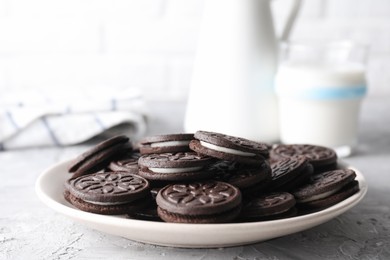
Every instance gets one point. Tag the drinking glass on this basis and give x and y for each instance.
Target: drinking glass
(320, 88)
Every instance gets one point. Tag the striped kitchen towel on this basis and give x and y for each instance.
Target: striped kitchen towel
(36, 119)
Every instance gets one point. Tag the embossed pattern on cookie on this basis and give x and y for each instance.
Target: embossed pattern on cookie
(326, 182)
(127, 163)
(286, 166)
(317, 155)
(199, 198)
(268, 204)
(289, 172)
(103, 187)
(273, 199)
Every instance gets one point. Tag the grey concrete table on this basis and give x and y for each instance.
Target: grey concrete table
(30, 230)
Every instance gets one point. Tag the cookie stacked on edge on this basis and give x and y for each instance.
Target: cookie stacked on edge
(96, 188)
(206, 177)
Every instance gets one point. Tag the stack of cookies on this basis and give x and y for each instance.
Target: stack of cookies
(206, 177)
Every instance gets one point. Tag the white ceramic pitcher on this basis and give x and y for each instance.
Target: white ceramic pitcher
(232, 89)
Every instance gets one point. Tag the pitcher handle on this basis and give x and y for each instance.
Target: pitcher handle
(290, 20)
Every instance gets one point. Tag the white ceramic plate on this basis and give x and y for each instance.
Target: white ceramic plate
(49, 188)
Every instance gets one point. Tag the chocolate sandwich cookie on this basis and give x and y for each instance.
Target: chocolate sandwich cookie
(300, 180)
(128, 162)
(268, 206)
(166, 143)
(242, 176)
(109, 193)
(322, 158)
(288, 173)
(182, 166)
(327, 188)
(199, 202)
(99, 156)
(229, 148)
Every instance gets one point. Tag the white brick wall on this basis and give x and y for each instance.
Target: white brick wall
(160, 35)
(22, 36)
(150, 44)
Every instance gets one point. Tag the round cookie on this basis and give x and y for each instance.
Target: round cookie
(239, 175)
(325, 188)
(199, 202)
(99, 156)
(289, 172)
(229, 148)
(346, 192)
(126, 163)
(171, 143)
(97, 148)
(322, 158)
(109, 193)
(302, 179)
(268, 206)
(182, 166)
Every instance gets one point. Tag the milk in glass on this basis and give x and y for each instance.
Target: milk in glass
(319, 97)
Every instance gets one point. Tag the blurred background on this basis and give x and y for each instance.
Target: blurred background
(61, 53)
(150, 44)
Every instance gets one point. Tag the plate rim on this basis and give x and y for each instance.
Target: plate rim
(96, 219)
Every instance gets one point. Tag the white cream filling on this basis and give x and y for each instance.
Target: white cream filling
(320, 196)
(170, 143)
(175, 170)
(106, 203)
(225, 150)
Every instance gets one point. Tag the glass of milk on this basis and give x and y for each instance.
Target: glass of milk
(320, 88)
